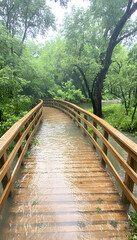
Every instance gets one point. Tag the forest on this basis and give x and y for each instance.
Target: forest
(93, 57)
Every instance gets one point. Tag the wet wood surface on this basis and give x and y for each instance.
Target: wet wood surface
(63, 191)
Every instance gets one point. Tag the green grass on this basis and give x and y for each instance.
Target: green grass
(116, 116)
(133, 223)
(108, 96)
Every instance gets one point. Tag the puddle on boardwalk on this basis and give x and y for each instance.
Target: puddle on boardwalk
(58, 191)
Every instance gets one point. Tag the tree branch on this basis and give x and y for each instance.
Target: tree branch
(126, 35)
(121, 23)
(129, 5)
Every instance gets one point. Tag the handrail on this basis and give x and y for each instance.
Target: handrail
(19, 137)
(87, 120)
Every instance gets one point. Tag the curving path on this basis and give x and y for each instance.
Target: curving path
(63, 193)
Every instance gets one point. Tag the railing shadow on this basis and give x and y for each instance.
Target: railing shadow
(99, 132)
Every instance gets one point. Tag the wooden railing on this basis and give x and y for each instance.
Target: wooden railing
(102, 130)
(13, 146)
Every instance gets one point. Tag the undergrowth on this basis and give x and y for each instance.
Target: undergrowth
(115, 115)
(133, 223)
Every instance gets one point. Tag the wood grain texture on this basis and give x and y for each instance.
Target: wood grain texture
(63, 191)
(96, 125)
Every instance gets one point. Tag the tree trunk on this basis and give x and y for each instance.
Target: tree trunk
(99, 79)
(98, 103)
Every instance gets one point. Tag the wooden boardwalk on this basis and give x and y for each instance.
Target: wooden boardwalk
(63, 192)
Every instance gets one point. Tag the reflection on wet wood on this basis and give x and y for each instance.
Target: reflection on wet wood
(93, 127)
(63, 192)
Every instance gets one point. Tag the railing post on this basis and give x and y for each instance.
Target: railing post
(94, 134)
(26, 125)
(73, 114)
(78, 117)
(21, 147)
(128, 181)
(33, 126)
(7, 176)
(104, 148)
(85, 125)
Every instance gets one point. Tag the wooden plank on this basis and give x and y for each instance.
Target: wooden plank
(61, 190)
(77, 227)
(125, 142)
(11, 134)
(73, 235)
(64, 198)
(67, 236)
(7, 176)
(61, 217)
(128, 181)
(60, 208)
(11, 181)
(12, 155)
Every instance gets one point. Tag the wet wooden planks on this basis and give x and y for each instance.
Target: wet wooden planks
(63, 191)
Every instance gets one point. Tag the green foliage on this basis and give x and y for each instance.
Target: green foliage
(81, 224)
(116, 115)
(23, 17)
(108, 12)
(108, 96)
(27, 154)
(68, 92)
(100, 200)
(13, 105)
(133, 223)
(82, 46)
(122, 72)
(41, 225)
(113, 223)
(98, 210)
(35, 202)
(35, 141)
(59, 68)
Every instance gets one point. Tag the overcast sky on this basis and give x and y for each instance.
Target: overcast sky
(59, 12)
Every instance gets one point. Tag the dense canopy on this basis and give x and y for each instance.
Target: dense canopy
(93, 57)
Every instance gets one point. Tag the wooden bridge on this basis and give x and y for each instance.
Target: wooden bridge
(63, 190)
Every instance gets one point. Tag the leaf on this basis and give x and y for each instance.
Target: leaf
(100, 200)
(41, 225)
(81, 224)
(98, 210)
(35, 203)
(113, 223)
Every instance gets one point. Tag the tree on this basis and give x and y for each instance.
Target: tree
(82, 47)
(13, 104)
(121, 78)
(116, 33)
(106, 26)
(26, 17)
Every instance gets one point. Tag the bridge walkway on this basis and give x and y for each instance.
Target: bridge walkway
(63, 192)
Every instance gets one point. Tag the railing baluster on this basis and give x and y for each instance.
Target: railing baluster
(21, 147)
(75, 113)
(85, 125)
(104, 148)
(94, 134)
(15, 134)
(7, 176)
(78, 117)
(34, 123)
(128, 181)
(26, 125)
